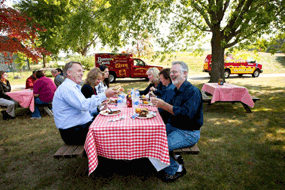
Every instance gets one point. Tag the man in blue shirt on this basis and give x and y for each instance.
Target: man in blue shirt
(71, 108)
(183, 125)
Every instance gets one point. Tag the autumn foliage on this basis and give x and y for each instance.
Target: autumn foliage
(19, 35)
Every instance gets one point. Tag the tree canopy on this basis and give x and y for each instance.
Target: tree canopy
(20, 36)
(50, 14)
(76, 25)
(230, 22)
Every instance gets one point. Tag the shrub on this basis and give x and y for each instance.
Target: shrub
(87, 62)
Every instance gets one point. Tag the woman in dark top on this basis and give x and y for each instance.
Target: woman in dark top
(155, 85)
(88, 89)
(5, 100)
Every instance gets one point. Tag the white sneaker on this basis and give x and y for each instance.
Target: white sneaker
(36, 117)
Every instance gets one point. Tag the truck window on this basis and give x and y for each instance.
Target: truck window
(138, 62)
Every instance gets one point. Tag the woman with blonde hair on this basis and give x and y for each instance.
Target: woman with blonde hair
(153, 76)
(104, 84)
(88, 89)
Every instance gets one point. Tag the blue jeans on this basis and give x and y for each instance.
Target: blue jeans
(178, 138)
(37, 112)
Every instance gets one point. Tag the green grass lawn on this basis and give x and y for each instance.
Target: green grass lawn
(238, 150)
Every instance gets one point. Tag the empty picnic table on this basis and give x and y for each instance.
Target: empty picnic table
(228, 93)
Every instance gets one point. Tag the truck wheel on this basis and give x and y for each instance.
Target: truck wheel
(227, 73)
(112, 77)
(210, 74)
(256, 73)
(240, 75)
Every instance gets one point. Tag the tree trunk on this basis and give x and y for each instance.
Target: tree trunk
(28, 64)
(84, 52)
(217, 57)
(44, 60)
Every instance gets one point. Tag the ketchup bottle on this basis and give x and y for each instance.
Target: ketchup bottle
(129, 101)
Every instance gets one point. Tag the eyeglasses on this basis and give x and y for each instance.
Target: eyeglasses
(173, 72)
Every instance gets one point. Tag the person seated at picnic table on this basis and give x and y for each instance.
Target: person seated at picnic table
(104, 83)
(71, 108)
(58, 78)
(43, 89)
(183, 126)
(88, 89)
(59, 70)
(31, 81)
(155, 85)
(166, 93)
(5, 100)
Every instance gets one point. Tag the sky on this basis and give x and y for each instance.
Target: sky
(9, 3)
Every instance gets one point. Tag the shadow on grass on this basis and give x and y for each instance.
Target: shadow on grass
(281, 60)
(238, 151)
(248, 147)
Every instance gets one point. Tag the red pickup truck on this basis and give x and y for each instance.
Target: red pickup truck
(123, 65)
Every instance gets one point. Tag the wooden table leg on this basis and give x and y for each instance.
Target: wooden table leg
(83, 168)
(246, 107)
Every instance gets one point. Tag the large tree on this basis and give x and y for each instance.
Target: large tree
(20, 36)
(75, 25)
(230, 22)
(90, 24)
(52, 14)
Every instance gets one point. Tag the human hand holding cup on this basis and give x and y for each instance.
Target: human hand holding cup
(152, 89)
(157, 102)
(110, 93)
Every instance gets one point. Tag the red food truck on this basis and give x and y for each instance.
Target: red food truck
(235, 67)
(123, 65)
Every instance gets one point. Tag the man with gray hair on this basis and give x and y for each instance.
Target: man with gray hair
(71, 108)
(183, 125)
(58, 78)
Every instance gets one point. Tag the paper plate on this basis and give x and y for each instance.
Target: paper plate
(149, 115)
(106, 112)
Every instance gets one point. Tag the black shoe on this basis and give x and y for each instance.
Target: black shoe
(167, 178)
(6, 115)
(180, 160)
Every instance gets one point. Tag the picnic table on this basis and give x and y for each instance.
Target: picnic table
(127, 139)
(24, 97)
(228, 93)
(26, 100)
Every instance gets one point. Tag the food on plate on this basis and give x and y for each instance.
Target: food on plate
(113, 101)
(145, 102)
(143, 112)
(138, 110)
(108, 112)
(114, 111)
(143, 96)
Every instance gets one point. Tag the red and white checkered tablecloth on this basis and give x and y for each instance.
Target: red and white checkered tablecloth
(24, 97)
(228, 92)
(126, 139)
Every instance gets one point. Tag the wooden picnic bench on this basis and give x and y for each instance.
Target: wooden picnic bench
(207, 99)
(3, 108)
(188, 150)
(74, 151)
(46, 108)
